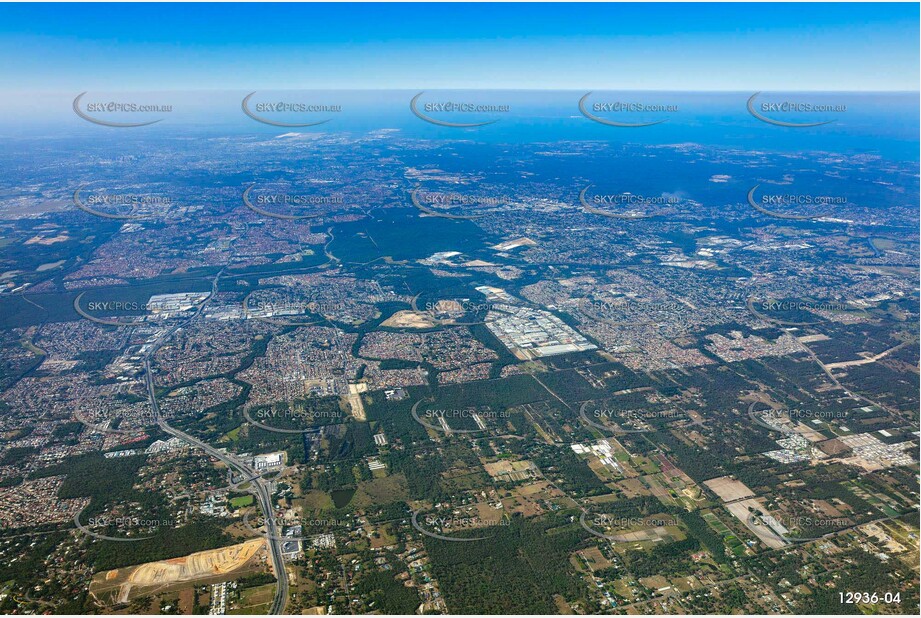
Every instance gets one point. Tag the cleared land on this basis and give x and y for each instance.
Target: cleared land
(409, 319)
(123, 585)
(729, 489)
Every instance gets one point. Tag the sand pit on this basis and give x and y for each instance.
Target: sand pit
(409, 319)
(201, 564)
(128, 583)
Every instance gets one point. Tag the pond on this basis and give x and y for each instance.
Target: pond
(341, 497)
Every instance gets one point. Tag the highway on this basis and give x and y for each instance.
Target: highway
(260, 488)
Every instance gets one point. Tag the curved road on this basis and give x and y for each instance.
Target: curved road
(260, 487)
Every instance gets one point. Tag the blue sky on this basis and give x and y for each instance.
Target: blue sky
(739, 47)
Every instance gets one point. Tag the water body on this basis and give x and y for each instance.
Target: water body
(342, 497)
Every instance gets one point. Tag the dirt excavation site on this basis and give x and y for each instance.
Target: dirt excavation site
(211, 566)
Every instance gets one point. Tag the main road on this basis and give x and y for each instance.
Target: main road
(259, 486)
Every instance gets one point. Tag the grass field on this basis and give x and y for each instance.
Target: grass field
(380, 491)
(241, 501)
(255, 600)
